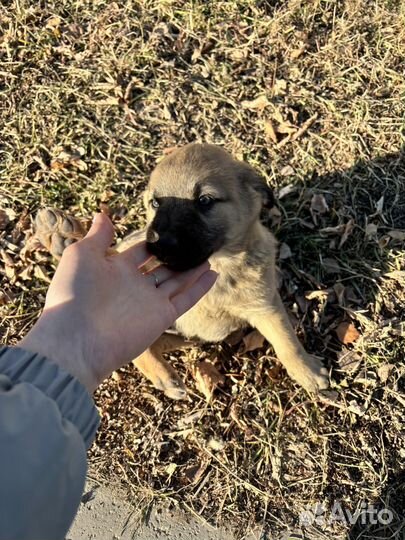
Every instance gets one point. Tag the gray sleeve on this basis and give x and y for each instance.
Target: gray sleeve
(47, 420)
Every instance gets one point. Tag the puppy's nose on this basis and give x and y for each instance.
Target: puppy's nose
(167, 242)
(152, 236)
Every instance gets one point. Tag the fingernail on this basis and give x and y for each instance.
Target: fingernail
(96, 218)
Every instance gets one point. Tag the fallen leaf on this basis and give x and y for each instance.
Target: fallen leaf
(355, 408)
(193, 473)
(319, 204)
(285, 251)
(69, 158)
(347, 333)
(252, 341)
(234, 338)
(286, 190)
(288, 171)
(207, 378)
(216, 444)
(347, 232)
(257, 104)
(397, 235)
(379, 205)
(340, 290)
(384, 372)
(279, 87)
(269, 131)
(349, 361)
(338, 229)
(5, 297)
(171, 469)
(40, 273)
(383, 241)
(317, 295)
(371, 231)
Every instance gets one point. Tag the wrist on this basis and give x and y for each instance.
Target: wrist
(54, 337)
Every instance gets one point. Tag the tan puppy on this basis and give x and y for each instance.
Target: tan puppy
(202, 204)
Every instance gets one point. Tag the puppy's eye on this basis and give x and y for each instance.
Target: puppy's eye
(154, 203)
(206, 201)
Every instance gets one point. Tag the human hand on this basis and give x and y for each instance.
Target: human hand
(101, 311)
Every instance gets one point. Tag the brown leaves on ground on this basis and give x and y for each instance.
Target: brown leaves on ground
(347, 333)
(207, 378)
(66, 158)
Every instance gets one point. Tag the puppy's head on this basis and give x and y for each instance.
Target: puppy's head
(200, 200)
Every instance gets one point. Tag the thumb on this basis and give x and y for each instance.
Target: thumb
(101, 232)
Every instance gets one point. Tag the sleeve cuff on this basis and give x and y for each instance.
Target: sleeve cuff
(73, 400)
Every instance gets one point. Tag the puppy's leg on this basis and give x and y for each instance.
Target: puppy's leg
(55, 230)
(304, 368)
(155, 368)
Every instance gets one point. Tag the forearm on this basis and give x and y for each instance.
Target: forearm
(47, 420)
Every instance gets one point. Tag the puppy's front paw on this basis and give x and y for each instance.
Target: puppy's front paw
(310, 374)
(56, 230)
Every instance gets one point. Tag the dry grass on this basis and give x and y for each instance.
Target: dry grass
(118, 82)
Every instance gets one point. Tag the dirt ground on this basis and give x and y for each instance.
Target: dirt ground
(311, 93)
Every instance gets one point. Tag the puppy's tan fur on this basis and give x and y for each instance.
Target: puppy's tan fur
(245, 292)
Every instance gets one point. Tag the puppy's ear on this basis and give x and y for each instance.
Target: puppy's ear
(251, 178)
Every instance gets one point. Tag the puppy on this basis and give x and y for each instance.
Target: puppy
(203, 204)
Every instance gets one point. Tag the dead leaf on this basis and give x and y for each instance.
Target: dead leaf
(193, 473)
(257, 104)
(207, 378)
(286, 190)
(317, 295)
(286, 128)
(252, 341)
(379, 205)
(279, 87)
(40, 273)
(318, 205)
(69, 158)
(299, 131)
(397, 235)
(383, 241)
(269, 131)
(285, 251)
(355, 408)
(338, 229)
(234, 338)
(384, 372)
(216, 444)
(8, 261)
(371, 230)
(347, 232)
(340, 290)
(287, 171)
(349, 361)
(347, 333)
